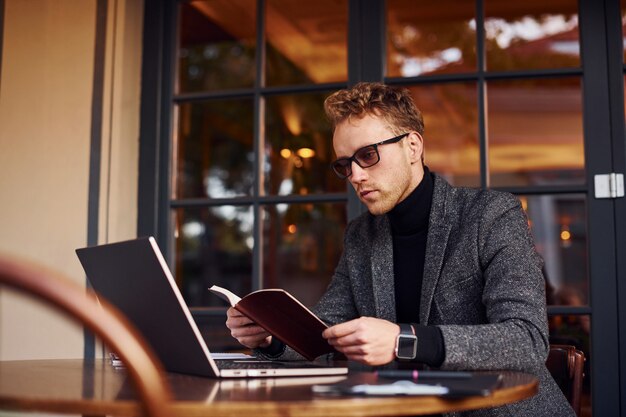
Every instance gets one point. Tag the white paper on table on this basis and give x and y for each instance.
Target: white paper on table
(395, 388)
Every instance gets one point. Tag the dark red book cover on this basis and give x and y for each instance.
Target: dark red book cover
(283, 316)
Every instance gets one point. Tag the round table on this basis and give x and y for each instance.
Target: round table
(96, 388)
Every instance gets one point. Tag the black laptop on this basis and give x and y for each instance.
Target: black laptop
(133, 276)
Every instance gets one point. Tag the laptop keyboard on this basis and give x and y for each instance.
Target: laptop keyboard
(261, 364)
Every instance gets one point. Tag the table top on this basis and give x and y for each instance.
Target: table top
(96, 388)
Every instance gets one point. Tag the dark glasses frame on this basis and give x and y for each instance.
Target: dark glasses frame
(343, 166)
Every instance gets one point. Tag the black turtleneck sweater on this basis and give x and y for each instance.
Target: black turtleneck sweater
(409, 228)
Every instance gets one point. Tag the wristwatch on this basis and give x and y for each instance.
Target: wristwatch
(406, 342)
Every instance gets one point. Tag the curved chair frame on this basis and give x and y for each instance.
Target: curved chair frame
(566, 364)
(101, 318)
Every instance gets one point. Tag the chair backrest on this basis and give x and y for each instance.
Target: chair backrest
(566, 364)
(103, 319)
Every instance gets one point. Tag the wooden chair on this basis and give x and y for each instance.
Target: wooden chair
(103, 319)
(566, 364)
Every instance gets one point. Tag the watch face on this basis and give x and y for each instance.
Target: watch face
(407, 346)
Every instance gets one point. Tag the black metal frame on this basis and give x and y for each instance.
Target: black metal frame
(616, 71)
(95, 146)
(599, 139)
(155, 124)
(602, 73)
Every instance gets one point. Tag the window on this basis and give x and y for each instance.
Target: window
(253, 201)
(501, 95)
(515, 97)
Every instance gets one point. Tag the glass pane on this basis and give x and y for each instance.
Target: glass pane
(307, 41)
(216, 45)
(301, 247)
(531, 35)
(575, 330)
(214, 151)
(298, 146)
(213, 246)
(426, 37)
(451, 130)
(535, 132)
(559, 226)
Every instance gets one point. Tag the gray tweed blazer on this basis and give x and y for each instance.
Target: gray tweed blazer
(483, 286)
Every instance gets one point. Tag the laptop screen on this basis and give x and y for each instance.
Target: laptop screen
(134, 277)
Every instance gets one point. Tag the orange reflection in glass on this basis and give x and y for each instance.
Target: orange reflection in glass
(298, 146)
(451, 132)
(425, 37)
(307, 41)
(213, 148)
(535, 134)
(531, 35)
(217, 47)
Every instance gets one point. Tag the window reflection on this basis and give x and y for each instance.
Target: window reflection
(213, 150)
(535, 134)
(298, 146)
(307, 41)
(217, 45)
(531, 35)
(426, 37)
(451, 131)
(213, 247)
(559, 226)
(302, 245)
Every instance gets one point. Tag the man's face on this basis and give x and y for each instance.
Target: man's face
(382, 186)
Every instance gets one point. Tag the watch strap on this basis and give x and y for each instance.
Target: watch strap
(406, 328)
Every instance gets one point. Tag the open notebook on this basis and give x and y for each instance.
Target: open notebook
(133, 276)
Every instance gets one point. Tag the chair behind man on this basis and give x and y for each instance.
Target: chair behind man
(101, 318)
(566, 364)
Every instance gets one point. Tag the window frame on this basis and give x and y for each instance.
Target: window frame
(602, 71)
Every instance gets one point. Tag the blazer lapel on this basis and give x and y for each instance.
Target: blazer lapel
(436, 242)
(382, 271)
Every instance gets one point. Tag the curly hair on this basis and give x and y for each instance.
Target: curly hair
(394, 105)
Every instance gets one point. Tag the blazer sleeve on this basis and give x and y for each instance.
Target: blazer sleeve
(515, 335)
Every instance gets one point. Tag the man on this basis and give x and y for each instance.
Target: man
(432, 273)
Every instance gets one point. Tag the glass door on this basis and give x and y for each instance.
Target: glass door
(524, 97)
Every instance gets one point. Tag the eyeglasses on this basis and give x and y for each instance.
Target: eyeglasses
(364, 157)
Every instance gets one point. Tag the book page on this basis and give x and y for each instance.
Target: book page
(225, 295)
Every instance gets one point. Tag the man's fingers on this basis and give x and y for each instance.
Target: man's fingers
(242, 321)
(351, 339)
(251, 336)
(235, 319)
(246, 331)
(341, 330)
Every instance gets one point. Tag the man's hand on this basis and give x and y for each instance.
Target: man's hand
(247, 332)
(367, 340)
